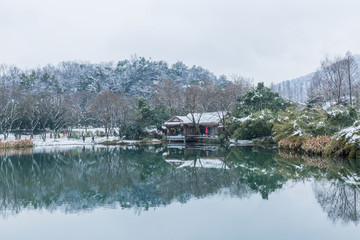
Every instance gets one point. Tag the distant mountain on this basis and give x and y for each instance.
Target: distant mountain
(297, 88)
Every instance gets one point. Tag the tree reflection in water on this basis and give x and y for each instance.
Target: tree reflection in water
(144, 177)
(336, 186)
(338, 200)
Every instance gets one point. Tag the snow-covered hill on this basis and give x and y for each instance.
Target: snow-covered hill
(297, 88)
(135, 77)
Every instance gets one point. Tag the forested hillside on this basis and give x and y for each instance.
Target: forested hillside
(136, 76)
(331, 80)
(295, 89)
(129, 96)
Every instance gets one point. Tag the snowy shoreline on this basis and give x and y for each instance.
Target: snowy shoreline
(64, 141)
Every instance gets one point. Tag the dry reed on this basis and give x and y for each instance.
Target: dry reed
(316, 145)
(26, 143)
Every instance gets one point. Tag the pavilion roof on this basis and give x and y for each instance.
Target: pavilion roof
(198, 118)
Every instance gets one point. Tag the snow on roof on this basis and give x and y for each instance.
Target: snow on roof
(201, 118)
(175, 120)
(185, 119)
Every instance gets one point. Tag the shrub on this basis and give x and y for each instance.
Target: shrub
(256, 125)
(336, 148)
(300, 122)
(346, 142)
(26, 143)
(353, 150)
(316, 145)
(222, 139)
(340, 117)
(253, 129)
(292, 143)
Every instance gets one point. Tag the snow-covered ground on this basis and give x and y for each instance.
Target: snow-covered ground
(64, 141)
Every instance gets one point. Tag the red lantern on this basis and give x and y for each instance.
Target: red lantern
(206, 131)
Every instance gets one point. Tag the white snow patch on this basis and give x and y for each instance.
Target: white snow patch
(240, 142)
(297, 133)
(351, 134)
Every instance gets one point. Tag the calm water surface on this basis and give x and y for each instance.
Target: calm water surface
(177, 193)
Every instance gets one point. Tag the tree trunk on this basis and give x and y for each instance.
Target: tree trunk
(349, 76)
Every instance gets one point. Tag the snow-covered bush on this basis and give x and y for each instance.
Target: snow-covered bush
(254, 126)
(346, 142)
(254, 117)
(350, 134)
(258, 99)
(340, 117)
(297, 122)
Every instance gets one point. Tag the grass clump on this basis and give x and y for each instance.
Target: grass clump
(316, 145)
(292, 143)
(26, 143)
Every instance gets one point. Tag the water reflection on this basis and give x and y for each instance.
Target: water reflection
(338, 200)
(336, 186)
(143, 177)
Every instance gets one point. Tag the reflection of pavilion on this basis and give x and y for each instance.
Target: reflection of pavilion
(197, 157)
(198, 163)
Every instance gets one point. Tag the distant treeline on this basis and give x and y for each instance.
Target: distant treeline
(130, 95)
(336, 81)
(135, 76)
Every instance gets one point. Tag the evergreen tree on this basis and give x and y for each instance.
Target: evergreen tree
(258, 99)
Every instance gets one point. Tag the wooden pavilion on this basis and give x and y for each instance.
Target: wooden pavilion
(194, 127)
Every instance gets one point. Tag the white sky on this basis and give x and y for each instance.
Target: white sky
(267, 40)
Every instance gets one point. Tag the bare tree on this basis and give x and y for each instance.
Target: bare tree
(9, 115)
(78, 104)
(240, 85)
(330, 79)
(53, 113)
(125, 114)
(335, 80)
(352, 73)
(31, 112)
(209, 97)
(193, 98)
(225, 103)
(170, 94)
(9, 105)
(104, 108)
(58, 113)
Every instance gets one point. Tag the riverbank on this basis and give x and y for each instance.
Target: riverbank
(63, 140)
(339, 145)
(343, 143)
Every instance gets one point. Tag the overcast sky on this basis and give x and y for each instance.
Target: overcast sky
(267, 40)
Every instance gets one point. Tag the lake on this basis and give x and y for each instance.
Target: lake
(171, 192)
